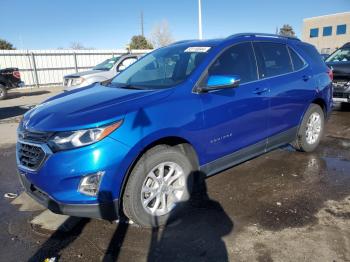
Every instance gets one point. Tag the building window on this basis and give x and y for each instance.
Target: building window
(341, 29)
(327, 31)
(314, 32)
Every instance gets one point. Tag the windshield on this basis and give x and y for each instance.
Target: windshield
(107, 64)
(162, 68)
(341, 55)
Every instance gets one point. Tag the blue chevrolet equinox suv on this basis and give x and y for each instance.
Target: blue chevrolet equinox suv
(133, 146)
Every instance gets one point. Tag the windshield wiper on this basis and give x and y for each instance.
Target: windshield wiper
(131, 87)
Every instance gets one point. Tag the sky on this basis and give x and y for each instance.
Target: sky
(110, 24)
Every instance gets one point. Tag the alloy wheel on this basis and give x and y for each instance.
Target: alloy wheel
(163, 187)
(313, 128)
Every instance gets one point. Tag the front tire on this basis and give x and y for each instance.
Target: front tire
(158, 186)
(311, 129)
(3, 92)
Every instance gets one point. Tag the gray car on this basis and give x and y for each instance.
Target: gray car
(102, 72)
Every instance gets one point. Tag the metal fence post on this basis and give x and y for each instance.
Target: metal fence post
(35, 70)
(75, 62)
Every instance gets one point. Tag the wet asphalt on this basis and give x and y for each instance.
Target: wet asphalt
(282, 206)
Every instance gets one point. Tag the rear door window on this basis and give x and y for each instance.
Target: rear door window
(237, 60)
(298, 63)
(273, 59)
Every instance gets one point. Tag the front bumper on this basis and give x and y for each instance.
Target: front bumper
(103, 210)
(20, 84)
(55, 183)
(341, 92)
(341, 97)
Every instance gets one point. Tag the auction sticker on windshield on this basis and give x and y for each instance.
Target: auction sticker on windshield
(197, 49)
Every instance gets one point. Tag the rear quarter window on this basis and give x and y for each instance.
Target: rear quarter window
(297, 62)
(314, 58)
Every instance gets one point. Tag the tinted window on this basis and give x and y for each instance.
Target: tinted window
(314, 32)
(298, 63)
(273, 59)
(341, 29)
(312, 53)
(327, 31)
(237, 60)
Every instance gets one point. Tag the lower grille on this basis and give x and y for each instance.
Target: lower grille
(341, 95)
(30, 156)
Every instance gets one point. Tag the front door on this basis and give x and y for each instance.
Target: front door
(235, 118)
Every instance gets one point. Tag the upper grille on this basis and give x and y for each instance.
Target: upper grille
(34, 136)
(341, 83)
(29, 155)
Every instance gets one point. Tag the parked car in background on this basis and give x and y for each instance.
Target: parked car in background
(102, 72)
(134, 146)
(9, 78)
(339, 62)
(324, 56)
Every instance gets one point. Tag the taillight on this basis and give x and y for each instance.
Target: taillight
(16, 74)
(330, 73)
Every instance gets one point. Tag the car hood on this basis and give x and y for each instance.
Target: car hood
(88, 107)
(89, 72)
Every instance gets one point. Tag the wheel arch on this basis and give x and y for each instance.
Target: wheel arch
(173, 141)
(320, 101)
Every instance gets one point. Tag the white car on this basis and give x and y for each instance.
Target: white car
(102, 72)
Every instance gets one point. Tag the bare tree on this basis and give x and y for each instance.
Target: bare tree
(161, 34)
(77, 46)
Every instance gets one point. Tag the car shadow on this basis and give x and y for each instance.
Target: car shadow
(110, 213)
(345, 107)
(12, 111)
(65, 235)
(196, 232)
(14, 94)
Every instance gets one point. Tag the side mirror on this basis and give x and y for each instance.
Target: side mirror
(216, 82)
(121, 68)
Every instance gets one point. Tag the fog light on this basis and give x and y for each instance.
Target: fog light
(90, 184)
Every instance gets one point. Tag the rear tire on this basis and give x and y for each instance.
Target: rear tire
(152, 194)
(311, 129)
(3, 92)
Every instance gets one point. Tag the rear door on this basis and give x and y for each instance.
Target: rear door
(291, 85)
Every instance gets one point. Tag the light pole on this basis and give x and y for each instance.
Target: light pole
(200, 34)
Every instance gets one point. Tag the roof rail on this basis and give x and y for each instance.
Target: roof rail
(263, 35)
(182, 41)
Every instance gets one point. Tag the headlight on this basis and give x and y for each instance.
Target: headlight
(79, 138)
(77, 81)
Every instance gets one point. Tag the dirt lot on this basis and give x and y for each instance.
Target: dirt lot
(282, 206)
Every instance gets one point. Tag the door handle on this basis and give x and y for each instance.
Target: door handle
(259, 91)
(306, 78)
